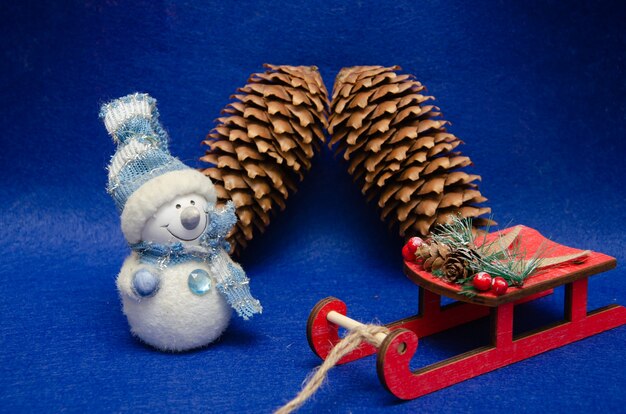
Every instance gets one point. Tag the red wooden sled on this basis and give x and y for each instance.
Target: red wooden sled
(396, 349)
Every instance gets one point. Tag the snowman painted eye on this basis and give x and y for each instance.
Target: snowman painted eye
(193, 203)
(177, 206)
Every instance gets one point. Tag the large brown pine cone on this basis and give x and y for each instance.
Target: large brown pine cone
(399, 150)
(264, 142)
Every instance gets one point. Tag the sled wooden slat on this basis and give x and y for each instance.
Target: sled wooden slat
(548, 278)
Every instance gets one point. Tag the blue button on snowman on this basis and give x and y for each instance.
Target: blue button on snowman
(179, 285)
(199, 282)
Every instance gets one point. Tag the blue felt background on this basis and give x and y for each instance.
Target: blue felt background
(536, 90)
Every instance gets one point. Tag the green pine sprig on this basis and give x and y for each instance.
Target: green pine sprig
(505, 262)
(468, 290)
(456, 233)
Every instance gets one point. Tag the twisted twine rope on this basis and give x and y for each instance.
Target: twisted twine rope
(348, 344)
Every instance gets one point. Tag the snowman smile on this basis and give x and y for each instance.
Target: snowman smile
(184, 236)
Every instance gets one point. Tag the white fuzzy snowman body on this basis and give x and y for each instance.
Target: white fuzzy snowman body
(174, 302)
(179, 285)
(174, 318)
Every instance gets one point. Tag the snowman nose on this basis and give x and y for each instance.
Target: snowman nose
(190, 217)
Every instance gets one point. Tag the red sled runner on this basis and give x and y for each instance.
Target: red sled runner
(396, 349)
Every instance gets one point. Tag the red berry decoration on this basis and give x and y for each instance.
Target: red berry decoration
(482, 281)
(414, 243)
(499, 286)
(407, 255)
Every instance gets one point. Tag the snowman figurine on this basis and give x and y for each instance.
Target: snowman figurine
(179, 284)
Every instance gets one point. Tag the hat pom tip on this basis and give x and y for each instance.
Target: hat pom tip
(119, 113)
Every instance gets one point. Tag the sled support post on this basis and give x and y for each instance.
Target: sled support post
(502, 325)
(429, 302)
(576, 300)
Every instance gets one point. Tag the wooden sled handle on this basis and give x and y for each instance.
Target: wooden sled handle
(349, 323)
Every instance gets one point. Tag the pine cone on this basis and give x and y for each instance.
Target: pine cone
(399, 150)
(452, 262)
(433, 255)
(264, 142)
(454, 268)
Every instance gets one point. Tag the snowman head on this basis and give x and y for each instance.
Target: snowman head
(184, 219)
(160, 199)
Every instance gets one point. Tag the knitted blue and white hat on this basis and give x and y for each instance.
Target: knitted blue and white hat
(143, 175)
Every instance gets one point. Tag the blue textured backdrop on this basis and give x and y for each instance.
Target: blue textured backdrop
(536, 90)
